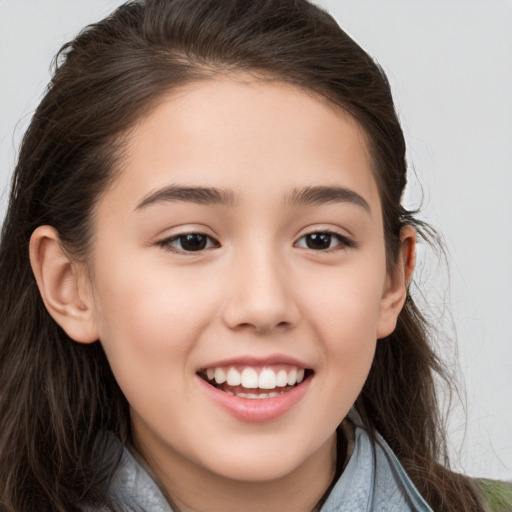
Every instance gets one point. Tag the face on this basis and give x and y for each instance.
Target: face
(238, 278)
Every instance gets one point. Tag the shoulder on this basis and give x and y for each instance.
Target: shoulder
(497, 494)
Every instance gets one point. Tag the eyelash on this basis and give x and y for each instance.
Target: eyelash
(343, 242)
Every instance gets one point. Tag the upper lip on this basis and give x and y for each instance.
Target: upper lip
(246, 360)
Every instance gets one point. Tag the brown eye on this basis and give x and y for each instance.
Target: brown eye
(323, 241)
(319, 241)
(189, 242)
(193, 242)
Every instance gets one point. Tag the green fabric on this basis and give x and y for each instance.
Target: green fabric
(498, 495)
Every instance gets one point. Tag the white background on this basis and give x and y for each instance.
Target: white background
(450, 66)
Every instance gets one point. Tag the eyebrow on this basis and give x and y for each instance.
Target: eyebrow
(306, 196)
(198, 195)
(309, 196)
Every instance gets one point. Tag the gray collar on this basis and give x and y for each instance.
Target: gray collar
(373, 480)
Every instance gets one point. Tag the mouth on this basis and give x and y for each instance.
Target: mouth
(255, 382)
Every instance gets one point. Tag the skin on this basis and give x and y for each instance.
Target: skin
(256, 290)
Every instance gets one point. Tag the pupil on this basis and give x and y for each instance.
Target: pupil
(318, 241)
(193, 242)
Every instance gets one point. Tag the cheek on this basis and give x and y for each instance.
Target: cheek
(349, 342)
(343, 311)
(149, 320)
(148, 328)
(349, 337)
(345, 304)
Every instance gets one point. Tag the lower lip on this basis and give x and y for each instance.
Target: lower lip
(256, 410)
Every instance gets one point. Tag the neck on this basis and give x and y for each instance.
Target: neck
(191, 488)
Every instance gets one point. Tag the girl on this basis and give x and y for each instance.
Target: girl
(205, 268)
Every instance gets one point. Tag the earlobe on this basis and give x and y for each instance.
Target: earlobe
(397, 283)
(60, 286)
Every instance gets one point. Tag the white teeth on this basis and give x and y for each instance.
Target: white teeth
(258, 396)
(233, 377)
(281, 378)
(249, 378)
(253, 395)
(220, 376)
(267, 379)
(292, 377)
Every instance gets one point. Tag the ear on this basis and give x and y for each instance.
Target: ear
(63, 287)
(397, 283)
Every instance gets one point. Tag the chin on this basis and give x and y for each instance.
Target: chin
(257, 470)
(265, 458)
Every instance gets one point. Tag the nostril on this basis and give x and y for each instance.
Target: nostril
(263, 328)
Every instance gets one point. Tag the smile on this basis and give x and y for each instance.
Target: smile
(256, 390)
(265, 385)
(255, 382)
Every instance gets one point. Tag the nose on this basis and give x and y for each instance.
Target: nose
(261, 295)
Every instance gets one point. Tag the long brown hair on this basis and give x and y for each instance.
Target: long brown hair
(56, 396)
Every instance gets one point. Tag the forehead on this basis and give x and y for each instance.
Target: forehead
(244, 134)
